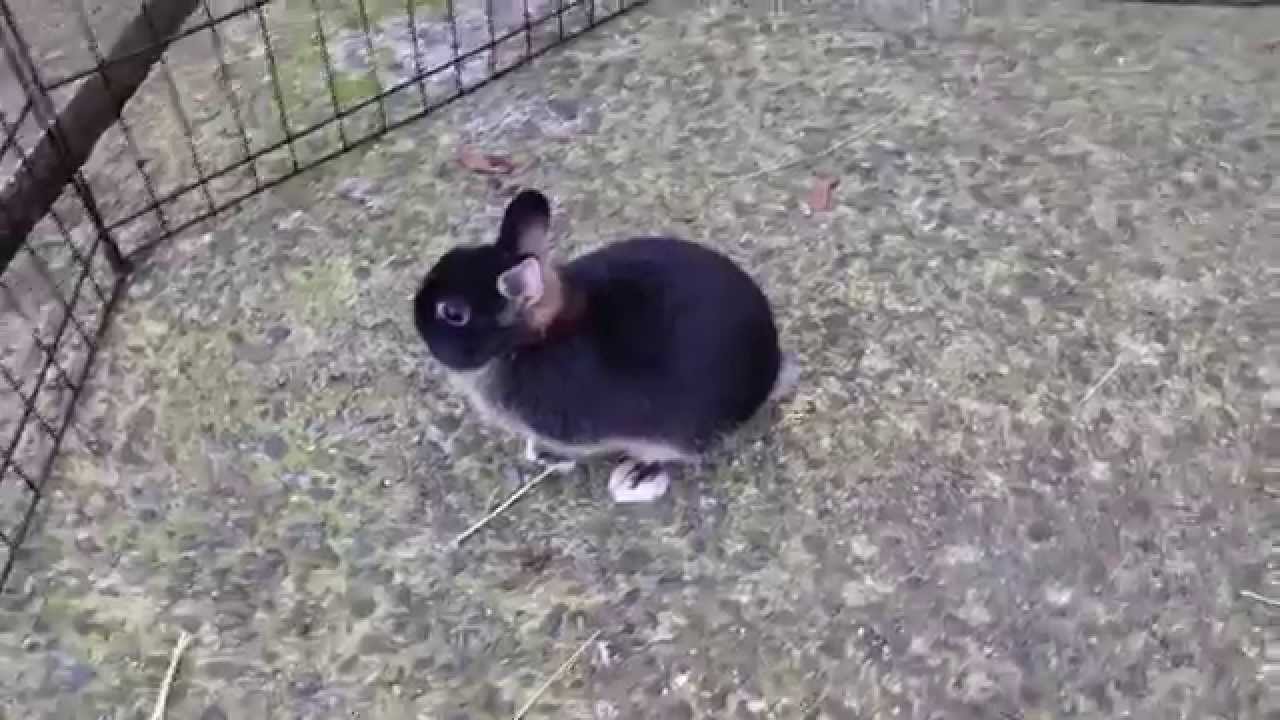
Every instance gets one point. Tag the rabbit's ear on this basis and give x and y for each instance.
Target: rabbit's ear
(526, 224)
(523, 283)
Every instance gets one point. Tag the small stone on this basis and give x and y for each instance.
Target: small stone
(136, 436)
(278, 334)
(671, 579)
(634, 560)
(87, 545)
(143, 421)
(718, 700)
(1058, 595)
(362, 606)
(306, 686)
(292, 222)
(816, 545)
(321, 493)
(259, 569)
(275, 447)
(861, 547)
(349, 664)
(511, 479)
(565, 108)
(961, 555)
(357, 189)
(1039, 531)
(974, 613)
(873, 643)
(68, 676)
(837, 710)
(213, 712)
(86, 624)
(189, 623)
(833, 647)
(255, 353)
(377, 644)
(356, 466)
(678, 710)
(554, 619)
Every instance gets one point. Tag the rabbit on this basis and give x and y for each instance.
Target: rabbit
(650, 347)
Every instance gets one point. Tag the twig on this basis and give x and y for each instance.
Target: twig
(564, 667)
(1260, 598)
(860, 133)
(503, 507)
(1101, 381)
(1136, 70)
(183, 641)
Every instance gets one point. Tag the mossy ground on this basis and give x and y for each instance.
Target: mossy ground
(953, 517)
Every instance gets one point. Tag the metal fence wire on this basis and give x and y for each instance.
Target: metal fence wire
(124, 122)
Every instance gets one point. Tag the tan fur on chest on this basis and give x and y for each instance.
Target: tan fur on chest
(541, 314)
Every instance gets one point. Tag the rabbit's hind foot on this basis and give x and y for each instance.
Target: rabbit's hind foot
(637, 482)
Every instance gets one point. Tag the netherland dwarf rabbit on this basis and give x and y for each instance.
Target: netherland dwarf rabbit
(651, 348)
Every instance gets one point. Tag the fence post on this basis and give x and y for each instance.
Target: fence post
(70, 136)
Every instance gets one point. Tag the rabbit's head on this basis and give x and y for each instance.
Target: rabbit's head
(477, 303)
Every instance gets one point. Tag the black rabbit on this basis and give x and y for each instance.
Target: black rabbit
(651, 347)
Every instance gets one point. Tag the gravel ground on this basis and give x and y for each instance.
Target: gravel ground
(1023, 475)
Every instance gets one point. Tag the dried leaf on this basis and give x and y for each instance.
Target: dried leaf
(1270, 47)
(536, 560)
(474, 160)
(821, 193)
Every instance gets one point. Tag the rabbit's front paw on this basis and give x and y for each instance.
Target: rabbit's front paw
(633, 482)
(548, 460)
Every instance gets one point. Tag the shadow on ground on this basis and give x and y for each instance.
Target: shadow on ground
(1018, 480)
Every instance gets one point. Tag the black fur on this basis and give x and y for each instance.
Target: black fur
(468, 275)
(674, 343)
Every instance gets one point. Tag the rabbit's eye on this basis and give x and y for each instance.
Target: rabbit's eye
(454, 312)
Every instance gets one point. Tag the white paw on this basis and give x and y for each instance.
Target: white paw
(631, 482)
(564, 467)
(788, 376)
(548, 461)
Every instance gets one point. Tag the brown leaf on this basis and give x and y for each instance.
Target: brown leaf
(535, 561)
(474, 160)
(821, 193)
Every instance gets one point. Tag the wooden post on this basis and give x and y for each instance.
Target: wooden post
(71, 135)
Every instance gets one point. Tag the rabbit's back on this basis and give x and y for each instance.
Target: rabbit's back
(676, 346)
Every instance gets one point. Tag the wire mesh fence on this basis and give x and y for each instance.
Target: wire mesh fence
(124, 122)
(252, 92)
(61, 275)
